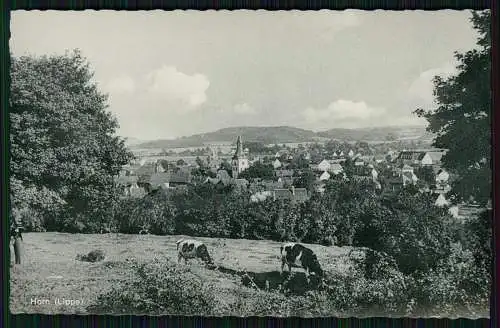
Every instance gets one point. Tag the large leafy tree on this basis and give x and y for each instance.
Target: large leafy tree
(258, 170)
(461, 120)
(63, 148)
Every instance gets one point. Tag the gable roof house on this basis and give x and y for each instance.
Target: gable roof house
(436, 156)
(161, 179)
(441, 201)
(410, 157)
(324, 165)
(277, 164)
(324, 176)
(409, 178)
(336, 168)
(421, 157)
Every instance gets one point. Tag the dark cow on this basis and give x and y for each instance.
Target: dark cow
(299, 256)
(190, 249)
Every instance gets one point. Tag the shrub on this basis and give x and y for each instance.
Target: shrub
(454, 286)
(161, 288)
(93, 256)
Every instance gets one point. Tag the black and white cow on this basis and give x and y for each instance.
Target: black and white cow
(299, 256)
(190, 249)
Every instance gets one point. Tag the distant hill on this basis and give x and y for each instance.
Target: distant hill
(284, 134)
(133, 141)
(377, 133)
(274, 134)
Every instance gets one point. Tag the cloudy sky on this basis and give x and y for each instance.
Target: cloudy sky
(170, 74)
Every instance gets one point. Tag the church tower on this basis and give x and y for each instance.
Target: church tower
(239, 162)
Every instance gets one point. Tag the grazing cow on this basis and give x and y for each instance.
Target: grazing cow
(189, 249)
(296, 255)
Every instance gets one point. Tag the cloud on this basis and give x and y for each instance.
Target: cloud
(421, 89)
(244, 109)
(342, 110)
(122, 84)
(167, 82)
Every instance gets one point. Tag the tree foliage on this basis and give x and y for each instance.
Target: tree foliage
(258, 170)
(63, 150)
(462, 118)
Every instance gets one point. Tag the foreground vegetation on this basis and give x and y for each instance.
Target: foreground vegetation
(140, 274)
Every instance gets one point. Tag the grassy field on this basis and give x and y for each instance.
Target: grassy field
(50, 271)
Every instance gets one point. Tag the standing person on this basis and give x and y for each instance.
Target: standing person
(16, 237)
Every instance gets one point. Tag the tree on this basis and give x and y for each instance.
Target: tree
(180, 162)
(307, 180)
(461, 121)
(63, 147)
(426, 174)
(200, 162)
(299, 162)
(258, 170)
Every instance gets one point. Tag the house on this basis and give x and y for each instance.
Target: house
(223, 176)
(336, 168)
(394, 184)
(129, 185)
(435, 156)
(300, 194)
(324, 165)
(324, 176)
(277, 164)
(410, 157)
(377, 159)
(409, 178)
(180, 178)
(442, 177)
(161, 179)
(421, 157)
(359, 162)
(255, 187)
(441, 201)
(260, 196)
(282, 194)
(294, 194)
(341, 154)
(284, 173)
(334, 154)
(350, 153)
(145, 171)
(287, 181)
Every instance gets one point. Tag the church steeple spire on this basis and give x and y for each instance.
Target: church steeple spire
(238, 153)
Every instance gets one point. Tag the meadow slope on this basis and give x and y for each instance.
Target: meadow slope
(50, 270)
